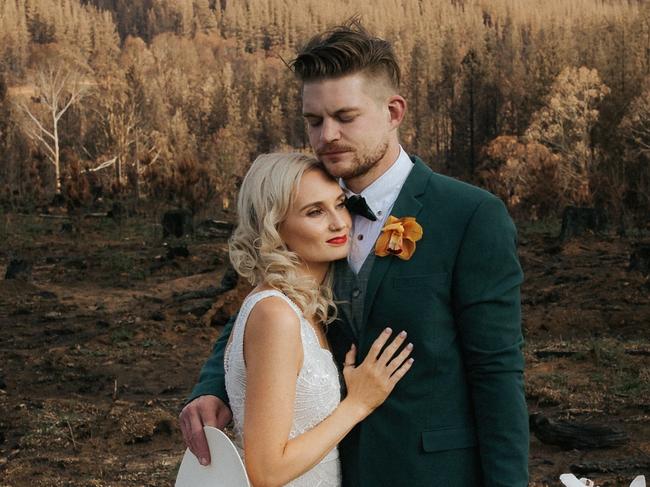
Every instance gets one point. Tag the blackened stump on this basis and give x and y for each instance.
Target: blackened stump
(116, 212)
(578, 220)
(640, 259)
(177, 251)
(177, 223)
(19, 269)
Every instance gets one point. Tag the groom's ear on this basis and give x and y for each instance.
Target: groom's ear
(396, 110)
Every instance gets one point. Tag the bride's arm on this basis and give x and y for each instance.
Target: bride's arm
(273, 354)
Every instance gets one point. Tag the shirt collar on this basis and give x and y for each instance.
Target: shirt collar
(384, 190)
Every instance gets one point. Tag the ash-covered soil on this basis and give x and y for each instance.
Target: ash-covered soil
(100, 347)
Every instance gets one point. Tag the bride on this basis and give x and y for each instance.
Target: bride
(281, 379)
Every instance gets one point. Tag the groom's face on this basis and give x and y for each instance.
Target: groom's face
(348, 122)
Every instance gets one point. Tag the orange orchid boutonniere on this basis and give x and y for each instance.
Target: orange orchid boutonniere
(398, 237)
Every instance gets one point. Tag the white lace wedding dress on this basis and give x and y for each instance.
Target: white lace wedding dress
(317, 389)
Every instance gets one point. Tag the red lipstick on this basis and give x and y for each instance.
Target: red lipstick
(340, 240)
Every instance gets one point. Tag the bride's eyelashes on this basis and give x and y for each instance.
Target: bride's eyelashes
(315, 212)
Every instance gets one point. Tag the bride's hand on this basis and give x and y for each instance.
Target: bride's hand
(370, 383)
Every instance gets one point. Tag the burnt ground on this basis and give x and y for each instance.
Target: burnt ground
(97, 351)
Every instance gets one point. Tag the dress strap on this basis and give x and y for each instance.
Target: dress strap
(252, 299)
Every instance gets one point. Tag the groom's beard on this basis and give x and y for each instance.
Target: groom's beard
(360, 164)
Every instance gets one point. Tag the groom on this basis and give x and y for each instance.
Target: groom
(458, 418)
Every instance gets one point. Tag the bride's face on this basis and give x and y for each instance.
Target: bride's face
(317, 226)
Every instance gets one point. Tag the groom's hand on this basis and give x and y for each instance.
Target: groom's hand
(202, 411)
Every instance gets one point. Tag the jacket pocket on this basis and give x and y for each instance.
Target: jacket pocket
(448, 439)
(420, 280)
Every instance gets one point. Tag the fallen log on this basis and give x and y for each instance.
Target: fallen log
(642, 353)
(217, 229)
(208, 292)
(570, 353)
(54, 217)
(197, 309)
(633, 466)
(554, 353)
(570, 435)
(68, 217)
(228, 282)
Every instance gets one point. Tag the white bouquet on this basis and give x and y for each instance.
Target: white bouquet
(571, 480)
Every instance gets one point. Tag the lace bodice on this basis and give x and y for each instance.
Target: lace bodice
(317, 389)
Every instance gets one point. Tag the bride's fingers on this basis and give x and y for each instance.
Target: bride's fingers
(351, 356)
(390, 350)
(399, 359)
(399, 373)
(378, 344)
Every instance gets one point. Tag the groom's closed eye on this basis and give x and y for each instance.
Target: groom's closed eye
(347, 115)
(346, 118)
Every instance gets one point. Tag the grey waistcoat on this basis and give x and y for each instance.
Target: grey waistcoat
(350, 291)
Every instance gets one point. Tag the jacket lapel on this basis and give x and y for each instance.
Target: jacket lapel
(407, 204)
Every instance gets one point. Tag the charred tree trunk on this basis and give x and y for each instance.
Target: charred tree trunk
(577, 221)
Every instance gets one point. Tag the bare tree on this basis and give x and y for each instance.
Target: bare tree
(57, 87)
(119, 115)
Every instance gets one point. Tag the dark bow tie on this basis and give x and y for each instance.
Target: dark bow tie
(357, 206)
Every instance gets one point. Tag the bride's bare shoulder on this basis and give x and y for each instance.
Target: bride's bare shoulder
(272, 335)
(273, 315)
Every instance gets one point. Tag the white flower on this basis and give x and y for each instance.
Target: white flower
(570, 480)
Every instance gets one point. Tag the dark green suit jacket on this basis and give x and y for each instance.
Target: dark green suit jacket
(459, 417)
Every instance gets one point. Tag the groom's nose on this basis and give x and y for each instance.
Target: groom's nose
(330, 131)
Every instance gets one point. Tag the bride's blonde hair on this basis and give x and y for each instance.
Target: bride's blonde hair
(257, 251)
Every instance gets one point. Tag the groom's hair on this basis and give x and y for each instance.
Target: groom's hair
(346, 49)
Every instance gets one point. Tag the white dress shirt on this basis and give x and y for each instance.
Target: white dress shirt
(380, 197)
